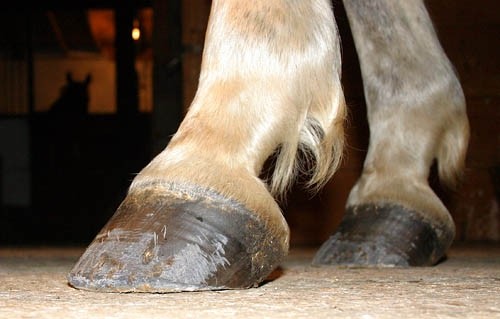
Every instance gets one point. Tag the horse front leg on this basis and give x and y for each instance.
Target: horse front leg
(198, 217)
(416, 114)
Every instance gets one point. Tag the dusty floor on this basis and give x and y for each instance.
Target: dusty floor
(466, 285)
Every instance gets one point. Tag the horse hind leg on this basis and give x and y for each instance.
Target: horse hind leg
(198, 217)
(416, 114)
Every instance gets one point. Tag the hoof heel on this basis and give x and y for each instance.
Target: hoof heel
(179, 239)
(384, 235)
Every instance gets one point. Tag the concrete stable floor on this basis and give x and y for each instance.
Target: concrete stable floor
(466, 285)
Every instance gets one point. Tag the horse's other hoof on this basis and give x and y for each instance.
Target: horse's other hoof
(385, 235)
(180, 238)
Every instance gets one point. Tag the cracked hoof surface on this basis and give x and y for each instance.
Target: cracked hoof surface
(384, 235)
(179, 238)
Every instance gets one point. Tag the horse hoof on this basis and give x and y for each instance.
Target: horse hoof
(383, 236)
(179, 239)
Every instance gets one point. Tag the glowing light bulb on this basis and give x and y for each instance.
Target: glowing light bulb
(136, 32)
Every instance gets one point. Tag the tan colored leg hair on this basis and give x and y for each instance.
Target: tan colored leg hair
(270, 79)
(416, 107)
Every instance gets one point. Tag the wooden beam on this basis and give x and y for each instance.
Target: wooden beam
(167, 72)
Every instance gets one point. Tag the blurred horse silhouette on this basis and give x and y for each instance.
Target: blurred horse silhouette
(74, 97)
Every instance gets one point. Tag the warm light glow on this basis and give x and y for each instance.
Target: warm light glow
(136, 32)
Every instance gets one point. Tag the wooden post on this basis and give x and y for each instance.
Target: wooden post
(127, 100)
(167, 75)
(194, 24)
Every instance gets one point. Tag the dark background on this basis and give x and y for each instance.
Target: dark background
(80, 164)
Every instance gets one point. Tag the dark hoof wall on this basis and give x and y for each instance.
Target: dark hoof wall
(384, 236)
(187, 239)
